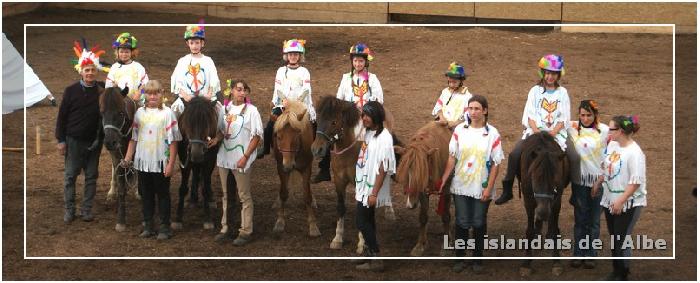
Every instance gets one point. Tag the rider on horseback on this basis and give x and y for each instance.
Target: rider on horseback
(451, 106)
(126, 72)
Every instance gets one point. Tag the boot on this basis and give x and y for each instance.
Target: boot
(477, 268)
(164, 232)
(372, 264)
(68, 216)
(325, 165)
(507, 192)
(267, 139)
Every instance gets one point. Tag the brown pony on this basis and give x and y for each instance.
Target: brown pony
(118, 111)
(291, 143)
(336, 122)
(420, 170)
(544, 173)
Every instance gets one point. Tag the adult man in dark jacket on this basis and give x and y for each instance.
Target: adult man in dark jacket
(79, 134)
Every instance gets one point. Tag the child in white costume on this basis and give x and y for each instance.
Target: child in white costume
(195, 73)
(292, 82)
(475, 157)
(624, 187)
(126, 72)
(241, 131)
(360, 86)
(154, 151)
(452, 104)
(375, 163)
(547, 109)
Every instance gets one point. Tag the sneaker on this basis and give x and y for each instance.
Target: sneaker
(147, 233)
(222, 237)
(242, 240)
(576, 263)
(53, 102)
(87, 216)
(323, 175)
(68, 216)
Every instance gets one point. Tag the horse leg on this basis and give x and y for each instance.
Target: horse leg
(206, 192)
(309, 199)
(552, 232)
(112, 185)
(283, 195)
(525, 269)
(360, 243)
(121, 203)
(422, 242)
(182, 192)
(194, 187)
(340, 185)
(446, 220)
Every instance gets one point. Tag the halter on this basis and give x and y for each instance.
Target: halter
(547, 196)
(124, 123)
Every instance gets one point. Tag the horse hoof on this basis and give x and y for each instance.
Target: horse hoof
(208, 225)
(314, 232)
(389, 214)
(336, 245)
(359, 250)
(279, 227)
(525, 272)
(176, 225)
(557, 270)
(137, 196)
(417, 251)
(110, 198)
(120, 227)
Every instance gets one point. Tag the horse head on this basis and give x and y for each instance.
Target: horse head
(292, 131)
(198, 124)
(117, 116)
(546, 174)
(336, 117)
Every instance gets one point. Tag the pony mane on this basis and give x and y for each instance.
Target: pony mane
(199, 119)
(111, 100)
(290, 117)
(543, 166)
(415, 160)
(330, 106)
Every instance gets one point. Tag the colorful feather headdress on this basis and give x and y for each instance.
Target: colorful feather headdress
(87, 56)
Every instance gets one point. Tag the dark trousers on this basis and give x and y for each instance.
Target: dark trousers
(367, 226)
(325, 162)
(78, 158)
(621, 225)
(470, 213)
(152, 185)
(586, 217)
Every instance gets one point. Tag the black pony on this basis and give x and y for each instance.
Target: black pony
(544, 173)
(198, 124)
(118, 111)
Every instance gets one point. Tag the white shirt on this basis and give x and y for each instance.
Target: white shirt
(294, 84)
(623, 166)
(154, 130)
(359, 90)
(240, 124)
(375, 152)
(195, 75)
(590, 146)
(453, 104)
(132, 75)
(547, 108)
(473, 148)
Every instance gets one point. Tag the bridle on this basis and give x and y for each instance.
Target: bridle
(125, 122)
(335, 138)
(547, 196)
(288, 150)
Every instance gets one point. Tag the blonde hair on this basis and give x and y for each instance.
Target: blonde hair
(134, 53)
(154, 86)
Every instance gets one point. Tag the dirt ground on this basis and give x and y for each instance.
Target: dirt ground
(626, 73)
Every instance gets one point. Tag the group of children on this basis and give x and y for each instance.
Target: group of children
(608, 165)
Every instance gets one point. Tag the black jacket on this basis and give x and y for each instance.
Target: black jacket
(79, 114)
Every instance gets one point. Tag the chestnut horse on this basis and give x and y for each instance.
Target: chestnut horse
(291, 143)
(118, 111)
(419, 173)
(337, 124)
(544, 173)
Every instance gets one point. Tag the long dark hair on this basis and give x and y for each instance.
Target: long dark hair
(590, 106)
(484, 104)
(375, 111)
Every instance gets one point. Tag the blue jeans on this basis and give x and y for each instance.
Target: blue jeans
(586, 217)
(79, 158)
(470, 213)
